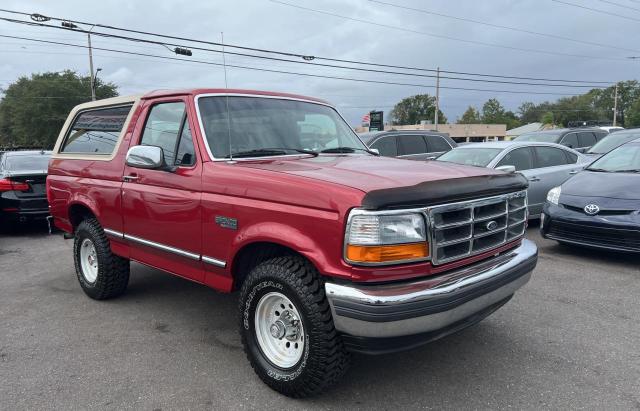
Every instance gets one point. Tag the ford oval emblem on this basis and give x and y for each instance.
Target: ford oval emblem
(491, 225)
(591, 209)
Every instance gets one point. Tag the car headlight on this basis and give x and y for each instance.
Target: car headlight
(553, 196)
(374, 238)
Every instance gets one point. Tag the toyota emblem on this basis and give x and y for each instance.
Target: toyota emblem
(491, 225)
(591, 209)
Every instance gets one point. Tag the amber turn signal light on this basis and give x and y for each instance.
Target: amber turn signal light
(386, 253)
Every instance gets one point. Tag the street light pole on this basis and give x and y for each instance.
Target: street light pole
(615, 106)
(93, 88)
(437, 97)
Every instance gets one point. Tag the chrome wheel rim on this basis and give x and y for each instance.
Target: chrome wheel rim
(88, 261)
(279, 330)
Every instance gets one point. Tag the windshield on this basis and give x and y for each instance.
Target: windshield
(479, 157)
(538, 137)
(271, 126)
(622, 159)
(34, 162)
(612, 141)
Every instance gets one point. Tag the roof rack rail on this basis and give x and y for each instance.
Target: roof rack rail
(589, 123)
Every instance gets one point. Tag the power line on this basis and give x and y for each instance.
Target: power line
(620, 5)
(443, 36)
(303, 56)
(498, 26)
(378, 71)
(594, 10)
(283, 71)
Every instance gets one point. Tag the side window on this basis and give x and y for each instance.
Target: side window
(412, 144)
(437, 144)
(96, 131)
(163, 127)
(600, 136)
(386, 146)
(572, 158)
(549, 156)
(520, 158)
(570, 140)
(586, 139)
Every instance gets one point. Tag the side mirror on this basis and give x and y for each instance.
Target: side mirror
(507, 169)
(148, 157)
(375, 150)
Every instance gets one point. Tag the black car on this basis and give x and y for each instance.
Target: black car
(23, 177)
(600, 206)
(409, 144)
(580, 139)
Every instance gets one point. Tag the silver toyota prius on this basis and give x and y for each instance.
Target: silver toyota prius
(545, 165)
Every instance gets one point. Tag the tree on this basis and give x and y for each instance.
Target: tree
(412, 110)
(528, 113)
(33, 109)
(632, 118)
(492, 112)
(471, 116)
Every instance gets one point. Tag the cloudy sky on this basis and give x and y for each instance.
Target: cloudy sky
(573, 44)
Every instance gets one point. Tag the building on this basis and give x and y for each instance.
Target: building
(461, 133)
(527, 128)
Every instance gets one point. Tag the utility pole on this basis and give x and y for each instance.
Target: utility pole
(93, 88)
(615, 106)
(437, 97)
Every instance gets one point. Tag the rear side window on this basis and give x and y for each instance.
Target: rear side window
(520, 158)
(96, 131)
(550, 156)
(437, 144)
(412, 144)
(167, 127)
(586, 139)
(570, 140)
(387, 146)
(600, 136)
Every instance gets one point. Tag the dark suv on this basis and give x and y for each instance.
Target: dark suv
(409, 144)
(579, 139)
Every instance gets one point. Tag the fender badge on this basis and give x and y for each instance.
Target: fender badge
(227, 222)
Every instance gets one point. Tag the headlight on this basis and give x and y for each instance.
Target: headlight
(385, 238)
(554, 195)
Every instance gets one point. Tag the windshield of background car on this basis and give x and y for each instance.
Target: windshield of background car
(272, 123)
(625, 158)
(538, 137)
(36, 162)
(479, 157)
(612, 141)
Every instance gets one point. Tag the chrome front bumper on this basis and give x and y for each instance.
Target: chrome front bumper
(431, 304)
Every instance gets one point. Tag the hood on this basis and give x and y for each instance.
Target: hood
(391, 182)
(622, 186)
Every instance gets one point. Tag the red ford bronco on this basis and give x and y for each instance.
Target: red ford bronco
(332, 248)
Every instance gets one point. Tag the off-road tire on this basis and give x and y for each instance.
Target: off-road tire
(113, 271)
(324, 360)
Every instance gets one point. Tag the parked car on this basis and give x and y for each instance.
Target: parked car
(22, 186)
(331, 250)
(612, 141)
(599, 206)
(545, 165)
(611, 129)
(580, 139)
(409, 144)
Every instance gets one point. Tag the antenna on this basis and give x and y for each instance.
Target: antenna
(226, 86)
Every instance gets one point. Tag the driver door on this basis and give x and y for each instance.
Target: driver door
(162, 209)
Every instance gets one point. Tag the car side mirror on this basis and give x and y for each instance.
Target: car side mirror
(507, 169)
(147, 157)
(375, 150)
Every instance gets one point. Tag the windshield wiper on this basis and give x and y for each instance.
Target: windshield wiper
(347, 150)
(632, 170)
(598, 170)
(263, 152)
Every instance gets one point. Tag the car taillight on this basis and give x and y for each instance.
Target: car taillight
(8, 185)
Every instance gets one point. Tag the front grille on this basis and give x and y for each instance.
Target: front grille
(608, 237)
(472, 227)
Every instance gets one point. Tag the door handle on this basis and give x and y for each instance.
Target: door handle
(130, 178)
(534, 179)
(574, 172)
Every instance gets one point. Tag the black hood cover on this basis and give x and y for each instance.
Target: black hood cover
(445, 191)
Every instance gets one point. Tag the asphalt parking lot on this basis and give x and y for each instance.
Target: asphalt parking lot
(568, 340)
